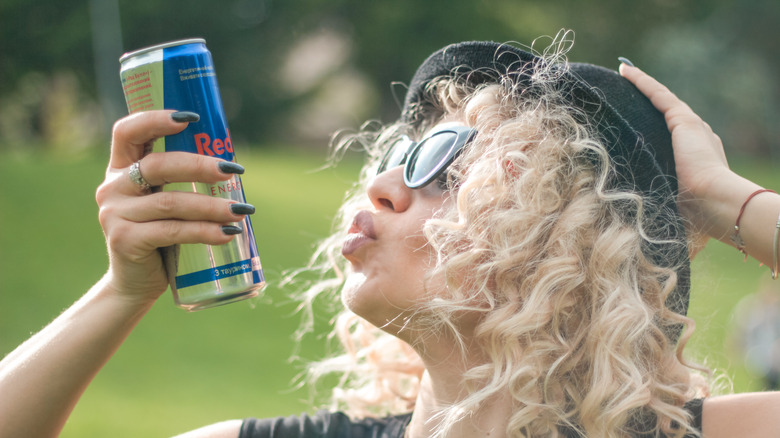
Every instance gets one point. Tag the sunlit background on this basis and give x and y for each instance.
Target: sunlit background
(291, 73)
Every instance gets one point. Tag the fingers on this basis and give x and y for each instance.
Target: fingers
(135, 241)
(122, 198)
(158, 169)
(181, 206)
(662, 98)
(703, 175)
(150, 220)
(137, 221)
(168, 167)
(133, 134)
(676, 111)
(173, 205)
(679, 116)
(136, 225)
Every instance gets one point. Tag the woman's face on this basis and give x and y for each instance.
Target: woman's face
(388, 252)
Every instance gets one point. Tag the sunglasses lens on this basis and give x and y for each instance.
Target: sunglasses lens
(430, 157)
(396, 155)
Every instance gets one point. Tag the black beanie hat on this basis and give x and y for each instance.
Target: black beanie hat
(633, 131)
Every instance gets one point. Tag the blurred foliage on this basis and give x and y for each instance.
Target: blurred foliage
(298, 70)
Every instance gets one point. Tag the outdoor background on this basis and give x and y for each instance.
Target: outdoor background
(291, 73)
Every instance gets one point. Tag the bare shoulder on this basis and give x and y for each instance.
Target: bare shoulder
(225, 429)
(755, 414)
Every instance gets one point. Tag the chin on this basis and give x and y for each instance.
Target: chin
(368, 303)
(349, 292)
(359, 296)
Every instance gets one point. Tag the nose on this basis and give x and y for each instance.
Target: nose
(388, 191)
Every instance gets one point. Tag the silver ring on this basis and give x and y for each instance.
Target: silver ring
(137, 178)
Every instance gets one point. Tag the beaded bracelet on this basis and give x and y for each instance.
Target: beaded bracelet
(737, 239)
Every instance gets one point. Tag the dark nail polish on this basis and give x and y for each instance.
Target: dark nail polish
(230, 167)
(231, 229)
(239, 208)
(625, 61)
(184, 116)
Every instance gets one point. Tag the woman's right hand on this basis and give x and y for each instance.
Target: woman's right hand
(136, 222)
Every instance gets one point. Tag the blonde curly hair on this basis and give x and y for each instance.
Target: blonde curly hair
(539, 243)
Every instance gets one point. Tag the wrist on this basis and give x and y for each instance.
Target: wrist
(736, 237)
(126, 294)
(720, 209)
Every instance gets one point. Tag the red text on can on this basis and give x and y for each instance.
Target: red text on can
(218, 147)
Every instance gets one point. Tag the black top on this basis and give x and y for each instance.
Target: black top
(326, 424)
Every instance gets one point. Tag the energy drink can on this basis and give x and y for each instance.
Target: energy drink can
(180, 75)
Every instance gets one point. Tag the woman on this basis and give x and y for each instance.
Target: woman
(516, 264)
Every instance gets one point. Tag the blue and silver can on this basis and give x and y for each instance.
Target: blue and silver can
(180, 75)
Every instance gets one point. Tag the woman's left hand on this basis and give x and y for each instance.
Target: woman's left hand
(710, 194)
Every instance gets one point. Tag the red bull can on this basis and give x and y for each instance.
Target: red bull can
(180, 75)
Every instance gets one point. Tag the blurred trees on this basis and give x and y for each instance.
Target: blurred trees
(293, 71)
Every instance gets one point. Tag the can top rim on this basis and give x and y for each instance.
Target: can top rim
(161, 46)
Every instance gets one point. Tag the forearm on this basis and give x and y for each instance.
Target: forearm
(757, 223)
(41, 381)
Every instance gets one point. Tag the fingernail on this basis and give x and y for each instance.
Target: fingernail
(230, 167)
(231, 229)
(625, 61)
(239, 208)
(184, 116)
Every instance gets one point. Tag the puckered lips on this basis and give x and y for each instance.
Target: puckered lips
(360, 233)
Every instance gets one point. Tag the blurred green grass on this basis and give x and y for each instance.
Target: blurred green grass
(180, 370)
